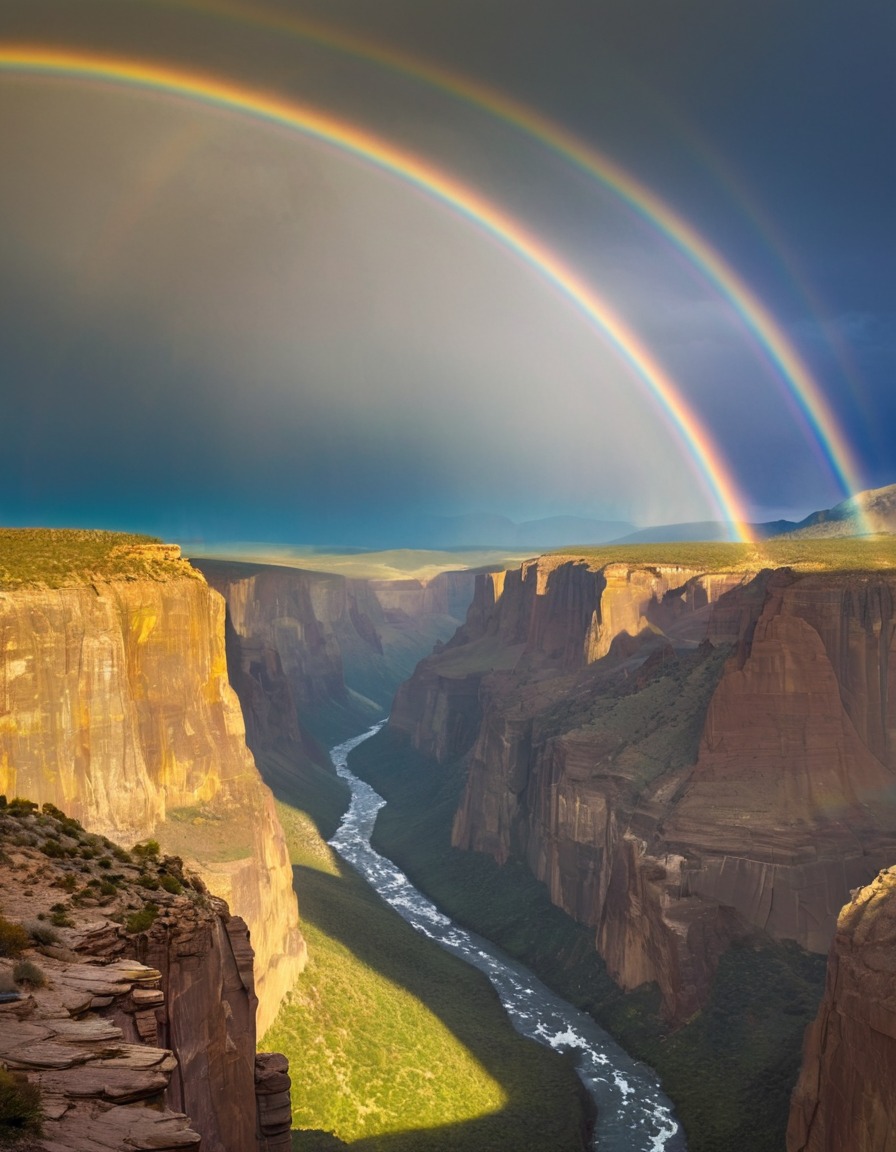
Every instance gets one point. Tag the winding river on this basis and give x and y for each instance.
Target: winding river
(633, 1115)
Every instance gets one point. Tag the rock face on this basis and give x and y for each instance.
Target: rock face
(846, 1094)
(137, 1039)
(299, 641)
(115, 706)
(682, 757)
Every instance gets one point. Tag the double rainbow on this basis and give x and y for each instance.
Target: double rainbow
(778, 350)
(228, 96)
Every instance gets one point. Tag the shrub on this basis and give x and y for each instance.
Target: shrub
(43, 933)
(143, 920)
(172, 884)
(13, 938)
(27, 973)
(147, 849)
(147, 881)
(53, 849)
(61, 920)
(20, 1112)
(19, 806)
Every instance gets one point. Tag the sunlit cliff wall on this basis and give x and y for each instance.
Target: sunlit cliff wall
(115, 706)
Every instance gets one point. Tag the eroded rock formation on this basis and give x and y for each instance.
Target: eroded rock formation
(682, 757)
(116, 707)
(135, 1014)
(846, 1094)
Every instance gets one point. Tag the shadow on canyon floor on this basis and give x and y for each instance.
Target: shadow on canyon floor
(544, 1107)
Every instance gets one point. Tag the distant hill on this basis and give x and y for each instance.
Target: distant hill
(845, 519)
(476, 530)
(702, 531)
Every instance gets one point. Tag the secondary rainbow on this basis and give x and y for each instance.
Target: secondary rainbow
(346, 137)
(787, 365)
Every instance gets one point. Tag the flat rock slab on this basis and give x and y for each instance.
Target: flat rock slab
(134, 1129)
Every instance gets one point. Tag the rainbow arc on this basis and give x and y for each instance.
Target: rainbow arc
(225, 95)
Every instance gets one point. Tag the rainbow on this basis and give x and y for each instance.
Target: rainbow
(231, 97)
(776, 347)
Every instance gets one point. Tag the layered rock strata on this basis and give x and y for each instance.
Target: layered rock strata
(135, 1014)
(682, 757)
(846, 1094)
(115, 706)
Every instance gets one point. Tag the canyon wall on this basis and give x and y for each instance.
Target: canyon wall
(682, 757)
(846, 1094)
(301, 642)
(115, 706)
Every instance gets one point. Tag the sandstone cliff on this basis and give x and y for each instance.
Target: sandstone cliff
(846, 1094)
(116, 707)
(303, 642)
(682, 756)
(135, 1014)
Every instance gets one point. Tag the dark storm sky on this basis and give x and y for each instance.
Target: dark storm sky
(213, 328)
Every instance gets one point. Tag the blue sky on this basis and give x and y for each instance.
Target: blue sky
(214, 329)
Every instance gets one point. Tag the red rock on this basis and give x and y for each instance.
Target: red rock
(846, 1094)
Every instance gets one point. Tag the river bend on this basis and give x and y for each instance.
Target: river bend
(633, 1114)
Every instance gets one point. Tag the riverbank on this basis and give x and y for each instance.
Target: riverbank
(395, 1046)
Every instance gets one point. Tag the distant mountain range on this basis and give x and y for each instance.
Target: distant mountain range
(873, 510)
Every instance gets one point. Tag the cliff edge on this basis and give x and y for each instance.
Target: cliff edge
(126, 999)
(115, 706)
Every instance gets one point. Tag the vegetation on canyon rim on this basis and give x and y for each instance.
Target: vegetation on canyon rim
(397, 1045)
(831, 554)
(68, 557)
(63, 557)
(729, 1070)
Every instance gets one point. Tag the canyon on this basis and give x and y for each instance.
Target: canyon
(684, 757)
(689, 756)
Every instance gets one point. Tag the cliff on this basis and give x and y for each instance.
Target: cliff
(846, 1094)
(303, 643)
(116, 707)
(128, 998)
(682, 756)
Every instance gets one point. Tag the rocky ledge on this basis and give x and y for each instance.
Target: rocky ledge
(127, 999)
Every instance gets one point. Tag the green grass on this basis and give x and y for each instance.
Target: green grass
(393, 1044)
(842, 554)
(730, 1070)
(62, 557)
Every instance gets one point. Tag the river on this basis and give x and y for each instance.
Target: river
(633, 1114)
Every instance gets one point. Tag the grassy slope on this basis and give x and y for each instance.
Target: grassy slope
(394, 1044)
(730, 1070)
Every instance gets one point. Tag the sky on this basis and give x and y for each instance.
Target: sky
(618, 259)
